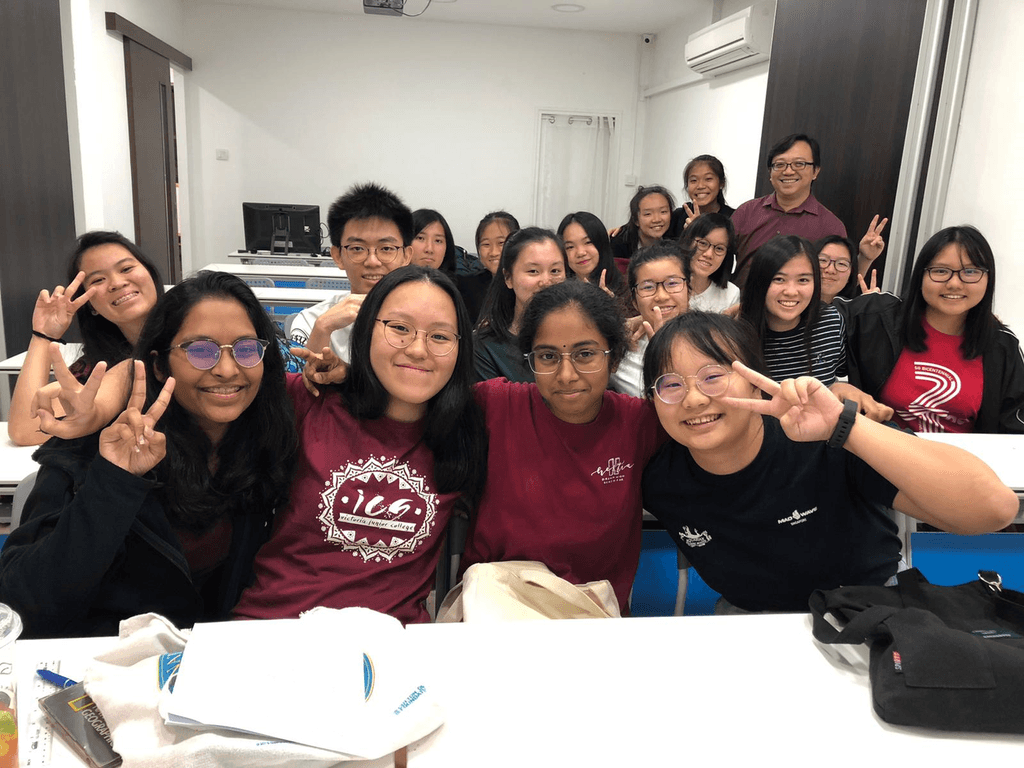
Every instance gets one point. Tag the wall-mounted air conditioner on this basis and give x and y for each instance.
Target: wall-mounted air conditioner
(736, 41)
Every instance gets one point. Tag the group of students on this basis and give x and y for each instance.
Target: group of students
(203, 482)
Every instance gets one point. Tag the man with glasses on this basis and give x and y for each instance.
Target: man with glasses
(371, 233)
(793, 165)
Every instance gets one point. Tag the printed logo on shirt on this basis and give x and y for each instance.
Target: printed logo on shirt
(377, 509)
(797, 517)
(612, 472)
(694, 538)
(925, 413)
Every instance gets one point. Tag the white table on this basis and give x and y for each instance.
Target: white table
(70, 352)
(296, 273)
(265, 257)
(15, 462)
(298, 297)
(706, 690)
(1004, 453)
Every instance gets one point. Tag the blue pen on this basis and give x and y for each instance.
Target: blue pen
(52, 677)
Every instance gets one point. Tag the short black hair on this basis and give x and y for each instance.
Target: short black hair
(658, 252)
(713, 334)
(784, 145)
(851, 288)
(703, 226)
(593, 303)
(369, 201)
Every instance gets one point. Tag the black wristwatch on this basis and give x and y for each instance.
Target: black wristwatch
(844, 425)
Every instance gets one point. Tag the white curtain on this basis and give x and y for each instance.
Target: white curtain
(575, 167)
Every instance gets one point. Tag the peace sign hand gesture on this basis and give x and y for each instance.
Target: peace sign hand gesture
(130, 442)
(872, 244)
(806, 408)
(54, 312)
(604, 287)
(692, 212)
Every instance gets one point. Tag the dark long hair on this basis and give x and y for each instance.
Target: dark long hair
(504, 217)
(764, 265)
(256, 455)
(598, 235)
(851, 288)
(593, 303)
(499, 307)
(703, 226)
(714, 335)
(454, 431)
(716, 167)
(981, 324)
(423, 218)
(631, 232)
(102, 339)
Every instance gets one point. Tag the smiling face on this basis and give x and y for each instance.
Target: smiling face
(126, 289)
(949, 303)
(670, 304)
(572, 396)
(789, 294)
(721, 439)
(832, 280)
(706, 262)
(582, 253)
(703, 186)
(653, 217)
(428, 247)
(414, 374)
(372, 234)
(216, 397)
(791, 186)
(492, 239)
(539, 265)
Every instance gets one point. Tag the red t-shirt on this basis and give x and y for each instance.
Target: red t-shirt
(567, 495)
(935, 390)
(364, 523)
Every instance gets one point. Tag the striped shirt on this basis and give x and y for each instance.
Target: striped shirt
(785, 352)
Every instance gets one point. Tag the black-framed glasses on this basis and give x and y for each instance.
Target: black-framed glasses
(712, 380)
(360, 253)
(400, 334)
(796, 165)
(650, 287)
(966, 275)
(586, 360)
(841, 265)
(204, 354)
(703, 245)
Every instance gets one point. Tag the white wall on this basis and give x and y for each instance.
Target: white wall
(720, 116)
(445, 114)
(97, 109)
(986, 185)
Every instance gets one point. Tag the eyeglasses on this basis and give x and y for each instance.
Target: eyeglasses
(360, 253)
(585, 360)
(841, 265)
(400, 335)
(650, 287)
(966, 275)
(796, 165)
(205, 354)
(703, 245)
(712, 380)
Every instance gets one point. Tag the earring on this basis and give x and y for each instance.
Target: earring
(93, 311)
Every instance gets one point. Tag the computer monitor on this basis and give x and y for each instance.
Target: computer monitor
(281, 229)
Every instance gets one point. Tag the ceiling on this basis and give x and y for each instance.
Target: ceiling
(599, 15)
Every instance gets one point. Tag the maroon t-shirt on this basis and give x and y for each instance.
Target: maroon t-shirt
(567, 495)
(364, 523)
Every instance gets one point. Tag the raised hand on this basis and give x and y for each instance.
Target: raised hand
(54, 312)
(323, 368)
(604, 287)
(872, 244)
(130, 442)
(874, 283)
(866, 404)
(805, 407)
(692, 212)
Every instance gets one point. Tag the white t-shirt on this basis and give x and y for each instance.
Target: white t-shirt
(715, 299)
(629, 376)
(301, 326)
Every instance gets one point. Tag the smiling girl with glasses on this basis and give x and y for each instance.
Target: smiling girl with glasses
(939, 356)
(711, 241)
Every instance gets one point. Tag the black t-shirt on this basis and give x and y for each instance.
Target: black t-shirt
(800, 517)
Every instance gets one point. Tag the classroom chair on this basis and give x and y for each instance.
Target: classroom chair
(329, 283)
(258, 282)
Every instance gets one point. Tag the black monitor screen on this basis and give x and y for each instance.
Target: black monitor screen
(281, 229)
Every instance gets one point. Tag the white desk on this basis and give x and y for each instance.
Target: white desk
(311, 259)
(711, 690)
(298, 297)
(1004, 453)
(70, 352)
(291, 273)
(15, 462)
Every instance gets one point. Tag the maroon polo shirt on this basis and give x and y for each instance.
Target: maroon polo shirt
(759, 220)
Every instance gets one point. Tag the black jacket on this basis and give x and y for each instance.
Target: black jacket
(873, 347)
(95, 547)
